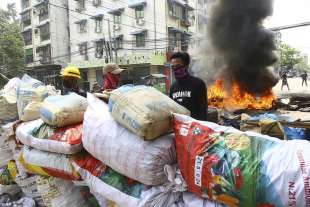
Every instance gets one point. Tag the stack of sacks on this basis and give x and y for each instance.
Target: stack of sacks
(8, 101)
(144, 110)
(26, 182)
(8, 113)
(59, 193)
(241, 168)
(30, 95)
(128, 155)
(52, 141)
(105, 182)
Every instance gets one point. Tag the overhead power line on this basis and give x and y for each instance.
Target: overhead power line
(292, 26)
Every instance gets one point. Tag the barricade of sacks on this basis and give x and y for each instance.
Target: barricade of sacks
(75, 152)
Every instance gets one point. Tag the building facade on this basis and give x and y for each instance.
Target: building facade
(139, 35)
(46, 38)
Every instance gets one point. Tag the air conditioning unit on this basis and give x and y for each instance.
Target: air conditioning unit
(140, 22)
(117, 27)
(36, 31)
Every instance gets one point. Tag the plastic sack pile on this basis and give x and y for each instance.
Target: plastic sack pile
(68, 151)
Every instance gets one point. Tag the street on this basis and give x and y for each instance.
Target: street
(295, 87)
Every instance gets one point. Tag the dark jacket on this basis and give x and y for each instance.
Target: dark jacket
(67, 91)
(191, 92)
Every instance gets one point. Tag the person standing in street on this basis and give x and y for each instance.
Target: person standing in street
(304, 78)
(284, 81)
(70, 76)
(187, 90)
(112, 75)
(96, 88)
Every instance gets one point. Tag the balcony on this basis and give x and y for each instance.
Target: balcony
(27, 36)
(44, 53)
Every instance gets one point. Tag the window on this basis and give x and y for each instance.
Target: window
(27, 37)
(45, 32)
(96, 3)
(83, 50)
(43, 12)
(98, 27)
(99, 49)
(29, 56)
(82, 26)
(118, 41)
(26, 19)
(25, 4)
(176, 10)
(117, 19)
(81, 5)
(184, 42)
(44, 54)
(139, 12)
(99, 77)
(140, 40)
(172, 39)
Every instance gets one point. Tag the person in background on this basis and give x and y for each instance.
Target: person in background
(112, 75)
(284, 81)
(70, 76)
(304, 78)
(188, 91)
(96, 88)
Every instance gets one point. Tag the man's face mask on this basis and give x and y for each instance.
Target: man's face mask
(180, 71)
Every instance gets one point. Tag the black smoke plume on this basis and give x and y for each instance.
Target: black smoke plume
(240, 41)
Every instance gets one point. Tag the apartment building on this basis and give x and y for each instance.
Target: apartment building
(137, 34)
(140, 35)
(46, 38)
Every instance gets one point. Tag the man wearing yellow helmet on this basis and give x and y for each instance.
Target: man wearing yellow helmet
(70, 76)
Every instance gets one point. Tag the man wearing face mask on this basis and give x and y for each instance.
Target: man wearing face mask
(188, 91)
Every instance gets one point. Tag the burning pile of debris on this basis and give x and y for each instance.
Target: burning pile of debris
(240, 54)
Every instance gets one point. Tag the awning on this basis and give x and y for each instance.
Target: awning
(173, 29)
(118, 36)
(117, 11)
(25, 10)
(43, 23)
(98, 16)
(41, 3)
(81, 21)
(41, 46)
(139, 32)
(26, 30)
(99, 40)
(137, 4)
(190, 8)
(181, 2)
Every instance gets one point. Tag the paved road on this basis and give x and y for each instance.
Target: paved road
(295, 87)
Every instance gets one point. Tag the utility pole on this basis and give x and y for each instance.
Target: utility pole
(155, 26)
(114, 45)
(110, 40)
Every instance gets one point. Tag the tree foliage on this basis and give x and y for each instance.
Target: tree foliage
(11, 45)
(290, 56)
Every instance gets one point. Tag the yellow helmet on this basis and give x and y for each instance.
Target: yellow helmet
(71, 71)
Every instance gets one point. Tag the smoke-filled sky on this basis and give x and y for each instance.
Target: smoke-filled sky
(285, 12)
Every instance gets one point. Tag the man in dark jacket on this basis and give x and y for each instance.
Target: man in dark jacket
(187, 90)
(70, 76)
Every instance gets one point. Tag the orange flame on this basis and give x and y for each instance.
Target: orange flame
(237, 99)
